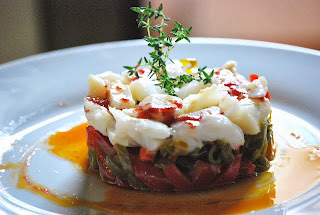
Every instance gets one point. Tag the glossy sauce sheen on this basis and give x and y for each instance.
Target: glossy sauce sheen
(244, 196)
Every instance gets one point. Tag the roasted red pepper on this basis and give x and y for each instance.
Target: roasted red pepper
(96, 139)
(253, 77)
(247, 168)
(203, 174)
(150, 175)
(146, 155)
(177, 178)
(230, 173)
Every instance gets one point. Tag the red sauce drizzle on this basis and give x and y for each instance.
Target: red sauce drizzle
(233, 91)
(217, 72)
(178, 104)
(141, 71)
(134, 78)
(161, 114)
(98, 101)
(125, 100)
(118, 88)
(164, 115)
(192, 121)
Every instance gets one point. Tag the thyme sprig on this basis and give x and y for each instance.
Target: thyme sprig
(162, 46)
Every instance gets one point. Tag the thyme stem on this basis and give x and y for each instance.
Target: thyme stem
(162, 47)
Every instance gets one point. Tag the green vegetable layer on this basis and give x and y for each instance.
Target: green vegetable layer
(259, 148)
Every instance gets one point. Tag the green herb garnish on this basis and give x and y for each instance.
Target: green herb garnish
(162, 46)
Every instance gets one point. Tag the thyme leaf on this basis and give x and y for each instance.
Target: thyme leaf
(162, 46)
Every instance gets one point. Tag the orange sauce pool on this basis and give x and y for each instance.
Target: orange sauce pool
(71, 145)
(265, 190)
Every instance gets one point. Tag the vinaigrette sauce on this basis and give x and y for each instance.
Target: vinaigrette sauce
(293, 173)
(71, 145)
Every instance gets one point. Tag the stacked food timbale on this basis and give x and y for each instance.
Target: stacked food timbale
(205, 135)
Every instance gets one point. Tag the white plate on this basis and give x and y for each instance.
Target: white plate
(31, 90)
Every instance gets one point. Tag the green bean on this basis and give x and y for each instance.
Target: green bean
(114, 164)
(213, 156)
(93, 160)
(226, 153)
(124, 159)
(120, 166)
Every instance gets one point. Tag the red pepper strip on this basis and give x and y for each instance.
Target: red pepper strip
(230, 173)
(177, 178)
(253, 77)
(203, 174)
(105, 173)
(149, 175)
(146, 155)
(102, 147)
(247, 168)
(268, 96)
(99, 141)
(90, 137)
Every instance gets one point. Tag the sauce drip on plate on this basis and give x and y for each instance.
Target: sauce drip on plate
(265, 190)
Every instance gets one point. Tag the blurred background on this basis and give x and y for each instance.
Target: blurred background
(29, 27)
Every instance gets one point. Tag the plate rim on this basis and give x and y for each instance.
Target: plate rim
(139, 42)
